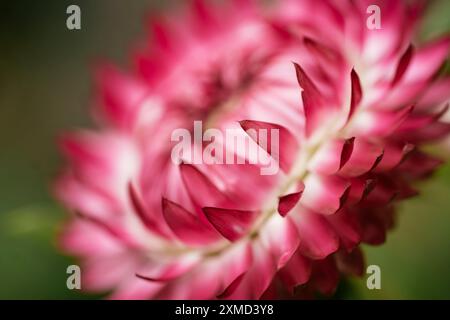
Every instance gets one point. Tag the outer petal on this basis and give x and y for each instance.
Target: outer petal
(332, 156)
(325, 194)
(317, 238)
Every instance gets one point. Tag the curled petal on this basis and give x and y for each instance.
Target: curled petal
(364, 158)
(287, 202)
(402, 65)
(393, 155)
(185, 225)
(314, 105)
(142, 212)
(232, 224)
(202, 191)
(356, 94)
(287, 145)
(332, 156)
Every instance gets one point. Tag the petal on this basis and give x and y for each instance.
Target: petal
(418, 121)
(231, 288)
(317, 238)
(393, 155)
(287, 145)
(325, 276)
(419, 165)
(202, 191)
(120, 96)
(360, 189)
(236, 261)
(436, 93)
(279, 235)
(315, 108)
(325, 194)
(427, 60)
(348, 228)
(287, 202)
(166, 271)
(380, 123)
(136, 289)
(87, 239)
(142, 212)
(351, 263)
(258, 277)
(232, 224)
(185, 225)
(364, 158)
(356, 94)
(402, 65)
(331, 157)
(296, 272)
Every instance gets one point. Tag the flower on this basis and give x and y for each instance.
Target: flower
(352, 108)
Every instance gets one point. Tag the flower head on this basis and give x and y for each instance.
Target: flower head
(351, 108)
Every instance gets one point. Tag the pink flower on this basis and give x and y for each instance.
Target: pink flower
(352, 113)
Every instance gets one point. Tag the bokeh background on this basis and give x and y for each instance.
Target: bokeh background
(45, 87)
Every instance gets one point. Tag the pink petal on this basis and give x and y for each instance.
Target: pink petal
(331, 157)
(202, 191)
(142, 212)
(436, 93)
(258, 277)
(427, 61)
(382, 123)
(418, 121)
(346, 225)
(185, 225)
(360, 189)
(402, 65)
(325, 194)
(287, 147)
(317, 238)
(232, 224)
(313, 103)
(231, 288)
(296, 272)
(166, 271)
(280, 237)
(364, 158)
(236, 261)
(356, 95)
(393, 155)
(120, 96)
(287, 202)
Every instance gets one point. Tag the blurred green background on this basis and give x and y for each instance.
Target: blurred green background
(45, 85)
